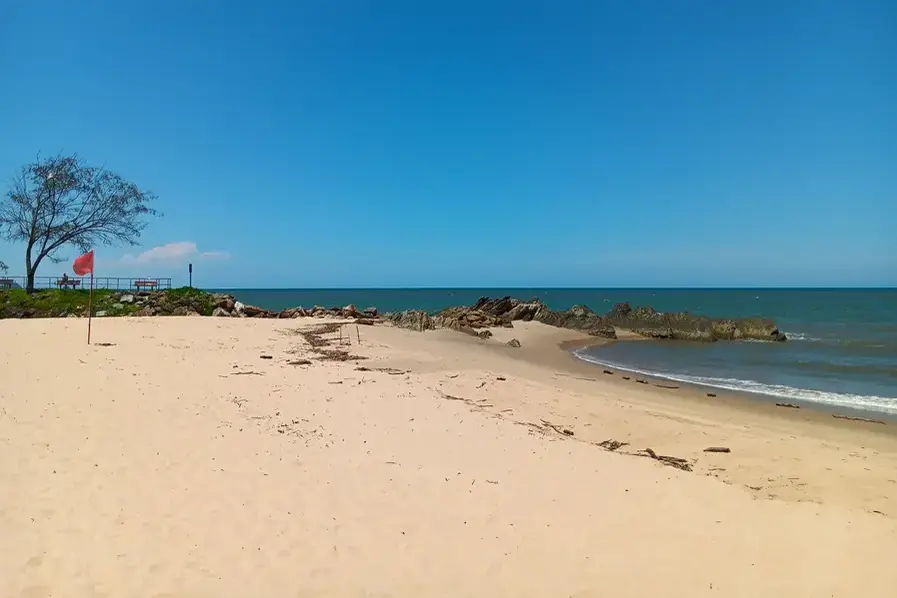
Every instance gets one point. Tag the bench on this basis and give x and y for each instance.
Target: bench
(145, 284)
(71, 282)
(6, 283)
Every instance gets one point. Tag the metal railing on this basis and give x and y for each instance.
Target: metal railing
(83, 282)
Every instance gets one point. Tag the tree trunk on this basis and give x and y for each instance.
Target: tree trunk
(29, 270)
(29, 282)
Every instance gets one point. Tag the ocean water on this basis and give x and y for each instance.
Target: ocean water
(842, 350)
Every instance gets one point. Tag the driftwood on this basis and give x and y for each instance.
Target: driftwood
(676, 462)
(608, 372)
(248, 373)
(788, 405)
(666, 386)
(640, 381)
(858, 419)
(626, 378)
(266, 357)
(558, 429)
(612, 445)
(449, 397)
(717, 449)
(299, 362)
(390, 371)
(710, 394)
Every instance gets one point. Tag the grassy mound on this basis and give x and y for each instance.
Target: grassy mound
(53, 303)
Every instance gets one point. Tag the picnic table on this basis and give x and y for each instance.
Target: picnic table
(64, 283)
(146, 284)
(6, 283)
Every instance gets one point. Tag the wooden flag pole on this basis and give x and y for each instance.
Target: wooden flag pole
(90, 307)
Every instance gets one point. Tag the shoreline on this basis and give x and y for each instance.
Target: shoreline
(571, 346)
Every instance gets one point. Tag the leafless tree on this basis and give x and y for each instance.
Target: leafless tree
(60, 201)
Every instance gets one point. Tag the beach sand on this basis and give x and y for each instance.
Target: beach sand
(175, 461)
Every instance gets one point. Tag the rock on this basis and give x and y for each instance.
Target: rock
(686, 327)
(513, 343)
(349, 311)
(99, 314)
(484, 334)
(183, 310)
(127, 299)
(758, 329)
(580, 317)
(604, 331)
(118, 306)
(220, 312)
(369, 312)
(453, 317)
(414, 319)
(252, 311)
(644, 321)
(225, 302)
(533, 310)
(619, 310)
(292, 312)
(495, 307)
(318, 311)
(147, 311)
(239, 308)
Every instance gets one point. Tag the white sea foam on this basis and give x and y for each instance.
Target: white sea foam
(867, 402)
(800, 336)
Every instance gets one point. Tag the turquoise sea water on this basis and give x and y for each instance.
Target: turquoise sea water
(842, 349)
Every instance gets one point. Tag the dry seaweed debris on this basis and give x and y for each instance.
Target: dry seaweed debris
(314, 337)
(612, 445)
(676, 462)
(337, 355)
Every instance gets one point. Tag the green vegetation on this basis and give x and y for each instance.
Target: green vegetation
(53, 303)
(199, 301)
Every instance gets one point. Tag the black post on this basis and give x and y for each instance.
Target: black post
(191, 275)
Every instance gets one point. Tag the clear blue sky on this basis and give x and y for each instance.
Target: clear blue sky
(409, 143)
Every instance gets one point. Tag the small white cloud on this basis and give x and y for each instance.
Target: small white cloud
(172, 253)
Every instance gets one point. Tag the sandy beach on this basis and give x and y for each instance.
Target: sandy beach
(202, 457)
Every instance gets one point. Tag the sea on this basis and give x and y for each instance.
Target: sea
(841, 352)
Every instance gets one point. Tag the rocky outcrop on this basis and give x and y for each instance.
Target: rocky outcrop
(227, 307)
(643, 321)
(413, 319)
(458, 318)
(646, 321)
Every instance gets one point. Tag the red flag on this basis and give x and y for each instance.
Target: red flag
(84, 264)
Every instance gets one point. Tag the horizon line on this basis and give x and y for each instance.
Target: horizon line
(560, 288)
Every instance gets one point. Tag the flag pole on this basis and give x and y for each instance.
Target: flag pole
(90, 307)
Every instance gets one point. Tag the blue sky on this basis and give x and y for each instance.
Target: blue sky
(407, 143)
